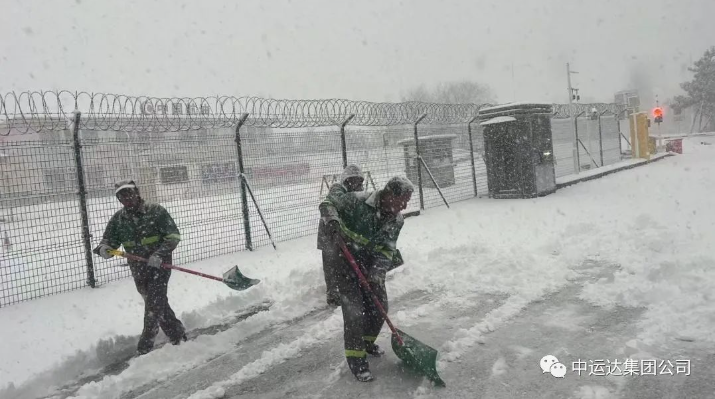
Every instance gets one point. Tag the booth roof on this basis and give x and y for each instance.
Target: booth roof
(428, 138)
(498, 119)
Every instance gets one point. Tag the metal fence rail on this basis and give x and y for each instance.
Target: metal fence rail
(191, 155)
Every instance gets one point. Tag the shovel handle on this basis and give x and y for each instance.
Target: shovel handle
(164, 265)
(366, 286)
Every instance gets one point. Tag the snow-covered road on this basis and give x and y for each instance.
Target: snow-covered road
(500, 361)
(613, 269)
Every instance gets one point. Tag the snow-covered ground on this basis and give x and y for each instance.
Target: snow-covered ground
(476, 270)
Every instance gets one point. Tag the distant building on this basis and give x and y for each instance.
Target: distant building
(40, 167)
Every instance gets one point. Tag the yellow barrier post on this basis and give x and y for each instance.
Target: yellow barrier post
(640, 145)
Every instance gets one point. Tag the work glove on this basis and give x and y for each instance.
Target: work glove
(155, 261)
(378, 270)
(103, 251)
(334, 230)
(377, 276)
(397, 260)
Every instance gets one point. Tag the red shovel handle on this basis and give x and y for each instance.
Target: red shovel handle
(168, 266)
(366, 286)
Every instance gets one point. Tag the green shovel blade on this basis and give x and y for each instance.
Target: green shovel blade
(236, 280)
(418, 356)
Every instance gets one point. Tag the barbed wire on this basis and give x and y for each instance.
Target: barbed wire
(561, 111)
(38, 111)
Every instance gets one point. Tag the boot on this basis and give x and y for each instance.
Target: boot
(178, 341)
(373, 349)
(145, 346)
(360, 369)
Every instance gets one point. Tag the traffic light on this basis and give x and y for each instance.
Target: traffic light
(658, 114)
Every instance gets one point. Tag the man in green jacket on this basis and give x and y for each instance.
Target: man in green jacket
(370, 225)
(146, 230)
(351, 180)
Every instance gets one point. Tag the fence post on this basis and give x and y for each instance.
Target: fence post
(417, 161)
(244, 199)
(471, 154)
(343, 144)
(620, 135)
(260, 214)
(86, 236)
(600, 135)
(577, 152)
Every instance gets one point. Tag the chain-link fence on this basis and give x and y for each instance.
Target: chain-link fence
(41, 223)
(222, 167)
(582, 143)
(285, 170)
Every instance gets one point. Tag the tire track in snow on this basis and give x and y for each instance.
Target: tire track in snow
(464, 340)
(118, 359)
(450, 311)
(304, 376)
(152, 371)
(321, 333)
(232, 361)
(570, 328)
(275, 356)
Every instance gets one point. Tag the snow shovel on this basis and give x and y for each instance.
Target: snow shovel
(415, 354)
(233, 278)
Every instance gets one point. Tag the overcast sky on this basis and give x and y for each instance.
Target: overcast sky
(363, 50)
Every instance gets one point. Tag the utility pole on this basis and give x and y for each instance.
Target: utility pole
(571, 90)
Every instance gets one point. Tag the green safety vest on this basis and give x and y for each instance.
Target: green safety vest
(147, 231)
(361, 220)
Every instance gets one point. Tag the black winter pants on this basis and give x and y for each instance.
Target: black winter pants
(152, 284)
(362, 320)
(332, 263)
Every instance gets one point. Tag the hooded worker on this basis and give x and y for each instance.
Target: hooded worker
(146, 230)
(350, 180)
(370, 224)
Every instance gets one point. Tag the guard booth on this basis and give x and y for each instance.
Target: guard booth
(519, 152)
(438, 156)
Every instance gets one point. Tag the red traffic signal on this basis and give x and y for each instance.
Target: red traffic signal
(658, 112)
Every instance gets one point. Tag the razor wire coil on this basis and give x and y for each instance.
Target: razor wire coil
(38, 111)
